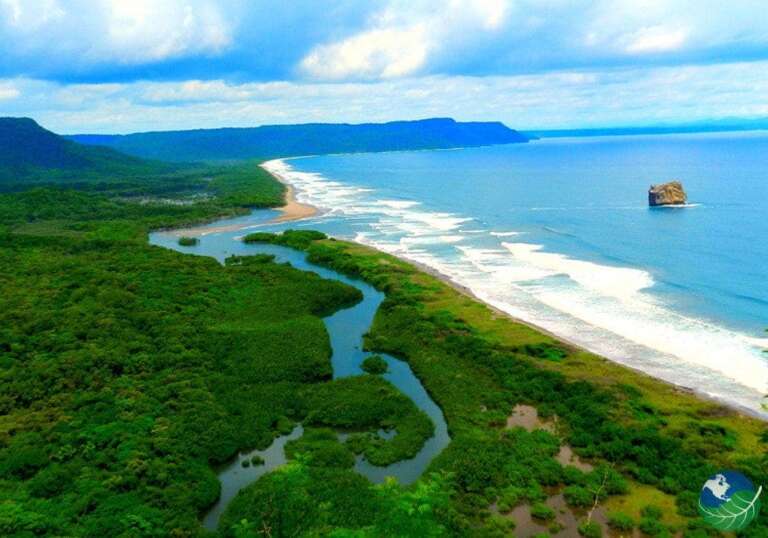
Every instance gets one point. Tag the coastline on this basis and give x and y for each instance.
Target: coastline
(682, 389)
(467, 292)
(294, 210)
(291, 210)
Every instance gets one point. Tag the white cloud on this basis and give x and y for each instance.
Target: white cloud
(491, 12)
(401, 38)
(639, 96)
(8, 91)
(106, 40)
(384, 53)
(656, 39)
(29, 16)
(199, 91)
(146, 30)
(77, 33)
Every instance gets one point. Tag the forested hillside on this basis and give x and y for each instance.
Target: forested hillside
(312, 138)
(31, 156)
(29, 153)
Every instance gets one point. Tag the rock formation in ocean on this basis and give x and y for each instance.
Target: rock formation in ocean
(671, 193)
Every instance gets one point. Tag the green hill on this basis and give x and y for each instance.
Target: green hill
(31, 154)
(306, 139)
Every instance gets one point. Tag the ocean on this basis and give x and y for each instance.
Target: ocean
(558, 232)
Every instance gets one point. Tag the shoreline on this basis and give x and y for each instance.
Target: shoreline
(293, 210)
(467, 292)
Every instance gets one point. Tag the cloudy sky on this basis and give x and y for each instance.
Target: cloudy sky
(128, 65)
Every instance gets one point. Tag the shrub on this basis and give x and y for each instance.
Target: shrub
(544, 351)
(259, 237)
(542, 511)
(322, 448)
(49, 482)
(374, 364)
(509, 498)
(578, 496)
(621, 521)
(651, 512)
(257, 460)
(590, 529)
(651, 527)
(188, 241)
(500, 525)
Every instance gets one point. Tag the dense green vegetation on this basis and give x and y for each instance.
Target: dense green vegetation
(301, 499)
(128, 372)
(307, 139)
(28, 153)
(31, 156)
(375, 364)
(369, 403)
(650, 444)
(188, 241)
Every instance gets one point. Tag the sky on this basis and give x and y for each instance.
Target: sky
(116, 66)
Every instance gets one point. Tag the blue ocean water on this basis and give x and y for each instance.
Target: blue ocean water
(558, 233)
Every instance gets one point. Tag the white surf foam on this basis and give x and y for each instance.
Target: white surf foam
(607, 309)
(618, 282)
(397, 204)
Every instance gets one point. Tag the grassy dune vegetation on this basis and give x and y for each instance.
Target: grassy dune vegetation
(652, 445)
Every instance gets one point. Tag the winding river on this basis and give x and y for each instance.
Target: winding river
(346, 329)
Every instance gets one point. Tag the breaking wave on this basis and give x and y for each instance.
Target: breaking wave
(608, 309)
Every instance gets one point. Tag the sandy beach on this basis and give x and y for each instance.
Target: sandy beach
(294, 210)
(291, 210)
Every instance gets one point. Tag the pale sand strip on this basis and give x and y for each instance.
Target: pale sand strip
(292, 210)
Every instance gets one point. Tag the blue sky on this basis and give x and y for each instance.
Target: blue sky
(127, 65)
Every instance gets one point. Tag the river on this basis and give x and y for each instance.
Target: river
(346, 329)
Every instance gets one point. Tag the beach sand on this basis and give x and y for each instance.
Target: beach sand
(724, 404)
(292, 210)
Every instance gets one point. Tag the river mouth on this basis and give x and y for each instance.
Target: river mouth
(346, 329)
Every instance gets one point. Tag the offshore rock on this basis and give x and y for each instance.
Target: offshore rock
(671, 193)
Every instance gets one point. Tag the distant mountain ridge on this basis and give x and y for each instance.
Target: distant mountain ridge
(711, 126)
(271, 141)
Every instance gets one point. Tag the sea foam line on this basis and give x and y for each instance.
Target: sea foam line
(603, 308)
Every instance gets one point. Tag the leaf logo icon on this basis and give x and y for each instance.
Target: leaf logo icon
(735, 513)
